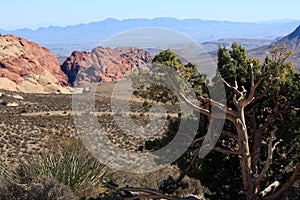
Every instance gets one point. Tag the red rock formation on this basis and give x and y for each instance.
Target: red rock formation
(104, 64)
(24, 63)
(35, 58)
(73, 63)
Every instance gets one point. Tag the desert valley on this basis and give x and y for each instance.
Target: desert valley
(39, 79)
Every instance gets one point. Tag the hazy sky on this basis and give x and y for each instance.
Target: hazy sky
(36, 13)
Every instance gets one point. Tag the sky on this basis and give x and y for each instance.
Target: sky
(42, 13)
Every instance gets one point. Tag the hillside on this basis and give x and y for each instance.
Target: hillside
(292, 42)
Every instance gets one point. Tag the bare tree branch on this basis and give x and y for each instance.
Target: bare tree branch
(206, 111)
(271, 149)
(264, 76)
(252, 87)
(234, 89)
(224, 134)
(270, 188)
(218, 105)
(285, 186)
(229, 114)
(152, 194)
(218, 149)
(145, 193)
(193, 160)
(296, 109)
(257, 139)
(252, 119)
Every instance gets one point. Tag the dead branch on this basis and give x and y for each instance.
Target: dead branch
(254, 86)
(146, 193)
(206, 112)
(234, 89)
(271, 149)
(218, 105)
(285, 186)
(270, 188)
(257, 139)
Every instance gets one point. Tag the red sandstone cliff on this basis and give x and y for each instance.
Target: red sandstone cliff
(27, 67)
(104, 64)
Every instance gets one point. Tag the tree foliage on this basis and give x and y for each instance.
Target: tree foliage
(257, 155)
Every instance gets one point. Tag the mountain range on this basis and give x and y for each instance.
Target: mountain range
(28, 67)
(61, 41)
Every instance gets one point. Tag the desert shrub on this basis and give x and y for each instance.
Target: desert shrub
(3, 169)
(19, 184)
(11, 190)
(48, 188)
(39, 188)
(72, 166)
(114, 194)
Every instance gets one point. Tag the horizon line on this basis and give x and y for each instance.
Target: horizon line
(145, 18)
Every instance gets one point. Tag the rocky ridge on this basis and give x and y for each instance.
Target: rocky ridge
(291, 42)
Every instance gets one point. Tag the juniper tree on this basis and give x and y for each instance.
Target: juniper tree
(262, 117)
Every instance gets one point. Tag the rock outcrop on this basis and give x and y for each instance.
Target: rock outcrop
(104, 64)
(27, 67)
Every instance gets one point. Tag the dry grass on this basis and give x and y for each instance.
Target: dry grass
(29, 131)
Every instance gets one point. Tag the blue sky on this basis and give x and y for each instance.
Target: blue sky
(36, 13)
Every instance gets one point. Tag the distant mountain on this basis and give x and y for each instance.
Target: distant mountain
(278, 21)
(63, 40)
(292, 42)
(249, 44)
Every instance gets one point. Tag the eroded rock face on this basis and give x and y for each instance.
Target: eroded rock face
(104, 64)
(27, 67)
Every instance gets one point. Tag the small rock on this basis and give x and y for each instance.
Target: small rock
(12, 104)
(19, 97)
